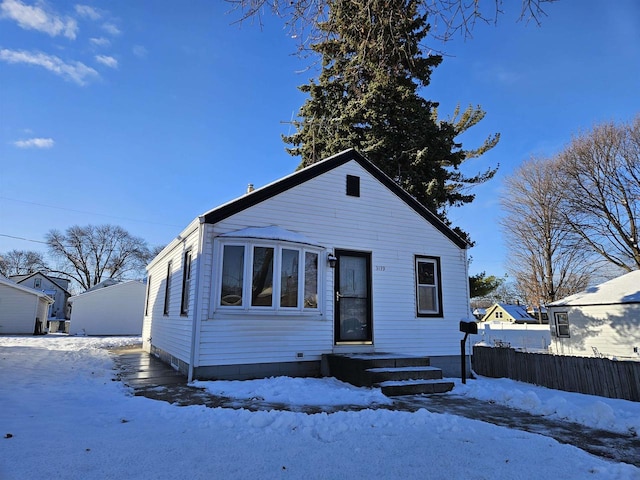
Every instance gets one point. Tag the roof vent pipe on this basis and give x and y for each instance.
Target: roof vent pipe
(250, 188)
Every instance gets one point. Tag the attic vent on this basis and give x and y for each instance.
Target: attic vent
(353, 186)
(250, 188)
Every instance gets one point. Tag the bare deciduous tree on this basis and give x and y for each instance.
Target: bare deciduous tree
(93, 253)
(545, 258)
(448, 17)
(21, 262)
(600, 172)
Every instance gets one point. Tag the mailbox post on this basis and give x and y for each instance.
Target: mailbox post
(466, 328)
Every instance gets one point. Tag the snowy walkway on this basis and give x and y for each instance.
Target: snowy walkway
(153, 379)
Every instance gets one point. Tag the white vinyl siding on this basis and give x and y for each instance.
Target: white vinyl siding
(114, 310)
(377, 221)
(19, 310)
(171, 333)
(613, 330)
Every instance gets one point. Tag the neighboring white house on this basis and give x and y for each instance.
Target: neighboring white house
(54, 287)
(23, 310)
(108, 309)
(332, 258)
(603, 320)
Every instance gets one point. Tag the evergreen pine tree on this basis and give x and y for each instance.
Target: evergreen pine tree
(367, 97)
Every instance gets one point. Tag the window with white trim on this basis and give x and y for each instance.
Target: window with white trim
(265, 276)
(562, 324)
(428, 287)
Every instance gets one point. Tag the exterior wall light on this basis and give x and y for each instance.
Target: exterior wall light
(331, 259)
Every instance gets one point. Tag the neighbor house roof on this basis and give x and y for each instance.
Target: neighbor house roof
(517, 312)
(261, 194)
(22, 278)
(624, 289)
(32, 291)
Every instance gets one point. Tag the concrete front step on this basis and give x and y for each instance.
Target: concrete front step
(394, 374)
(414, 387)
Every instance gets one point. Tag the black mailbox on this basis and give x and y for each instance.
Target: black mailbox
(469, 327)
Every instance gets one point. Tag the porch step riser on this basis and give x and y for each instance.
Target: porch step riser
(379, 377)
(417, 388)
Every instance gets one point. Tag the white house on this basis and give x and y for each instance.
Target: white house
(108, 309)
(23, 310)
(603, 320)
(334, 258)
(54, 287)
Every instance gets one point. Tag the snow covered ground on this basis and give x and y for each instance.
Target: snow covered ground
(63, 417)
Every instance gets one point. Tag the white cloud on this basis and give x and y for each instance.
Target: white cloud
(107, 60)
(100, 41)
(35, 143)
(139, 51)
(36, 18)
(88, 12)
(76, 72)
(111, 29)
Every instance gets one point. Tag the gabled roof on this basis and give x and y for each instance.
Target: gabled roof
(517, 312)
(22, 288)
(621, 290)
(22, 278)
(297, 178)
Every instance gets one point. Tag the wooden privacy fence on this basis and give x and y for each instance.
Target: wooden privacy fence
(593, 376)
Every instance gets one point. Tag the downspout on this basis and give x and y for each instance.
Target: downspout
(197, 314)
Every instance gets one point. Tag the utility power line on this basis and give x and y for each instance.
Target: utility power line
(89, 213)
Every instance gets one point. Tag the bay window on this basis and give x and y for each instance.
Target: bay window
(267, 277)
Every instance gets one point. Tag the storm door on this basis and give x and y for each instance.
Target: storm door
(353, 297)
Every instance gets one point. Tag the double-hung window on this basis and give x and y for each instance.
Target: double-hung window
(167, 290)
(562, 324)
(428, 287)
(268, 277)
(186, 283)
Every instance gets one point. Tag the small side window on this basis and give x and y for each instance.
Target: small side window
(186, 283)
(146, 302)
(562, 324)
(167, 290)
(428, 287)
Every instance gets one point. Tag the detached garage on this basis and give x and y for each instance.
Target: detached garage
(110, 309)
(23, 310)
(601, 321)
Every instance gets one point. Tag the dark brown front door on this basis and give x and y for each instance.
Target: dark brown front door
(353, 297)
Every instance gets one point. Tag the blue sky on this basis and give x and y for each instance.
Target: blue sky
(146, 114)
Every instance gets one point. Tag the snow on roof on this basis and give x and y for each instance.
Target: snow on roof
(271, 233)
(516, 311)
(17, 286)
(624, 289)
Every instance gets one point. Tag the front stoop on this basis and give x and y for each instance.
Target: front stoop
(394, 374)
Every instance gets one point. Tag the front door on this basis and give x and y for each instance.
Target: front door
(353, 297)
